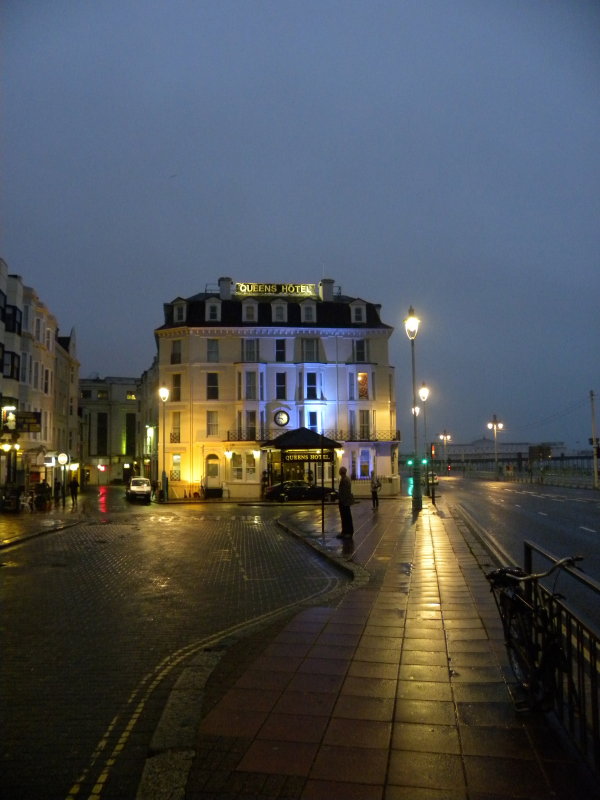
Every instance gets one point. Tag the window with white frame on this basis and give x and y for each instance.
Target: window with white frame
(313, 421)
(212, 423)
(308, 311)
(212, 350)
(179, 312)
(310, 349)
(249, 311)
(250, 385)
(364, 431)
(358, 312)
(363, 464)
(249, 349)
(280, 386)
(363, 385)
(351, 386)
(312, 386)
(279, 349)
(176, 351)
(250, 425)
(360, 350)
(213, 311)
(279, 312)
(212, 385)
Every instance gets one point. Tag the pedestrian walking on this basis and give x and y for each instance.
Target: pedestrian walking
(74, 489)
(375, 487)
(345, 500)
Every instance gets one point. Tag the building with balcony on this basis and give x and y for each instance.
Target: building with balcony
(245, 362)
(38, 386)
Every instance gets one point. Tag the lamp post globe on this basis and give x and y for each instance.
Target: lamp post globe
(495, 425)
(411, 326)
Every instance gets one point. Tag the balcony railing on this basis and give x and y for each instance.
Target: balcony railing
(267, 435)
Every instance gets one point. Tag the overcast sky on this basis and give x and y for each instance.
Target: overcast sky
(439, 153)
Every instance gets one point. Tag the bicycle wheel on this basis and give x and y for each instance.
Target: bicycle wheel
(518, 649)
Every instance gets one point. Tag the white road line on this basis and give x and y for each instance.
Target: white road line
(589, 530)
(542, 513)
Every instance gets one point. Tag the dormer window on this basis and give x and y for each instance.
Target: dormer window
(308, 311)
(213, 310)
(179, 312)
(358, 312)
(249, 311)
(279, 312)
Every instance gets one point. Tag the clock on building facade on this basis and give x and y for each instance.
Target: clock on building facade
(281, 418)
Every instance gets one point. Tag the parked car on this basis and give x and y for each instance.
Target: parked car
(433, 478)
(300, 490)
(139, 489)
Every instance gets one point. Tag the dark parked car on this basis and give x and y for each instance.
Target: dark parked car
(300, 490)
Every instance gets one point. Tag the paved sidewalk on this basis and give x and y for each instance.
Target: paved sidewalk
(395, 692)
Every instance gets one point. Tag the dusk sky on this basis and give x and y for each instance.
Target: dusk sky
(439, 153)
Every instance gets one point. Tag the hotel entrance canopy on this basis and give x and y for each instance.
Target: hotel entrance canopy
(305, 443)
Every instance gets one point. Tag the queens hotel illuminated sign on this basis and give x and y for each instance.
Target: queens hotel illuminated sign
(303, 289)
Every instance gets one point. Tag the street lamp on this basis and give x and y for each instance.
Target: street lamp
(163, 393)
(495, 425)
(411, 326)
(424, 394)
(445, 437)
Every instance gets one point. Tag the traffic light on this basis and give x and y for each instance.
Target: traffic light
(424, 461)
(410, 462)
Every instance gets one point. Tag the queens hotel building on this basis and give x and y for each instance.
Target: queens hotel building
(248, 362)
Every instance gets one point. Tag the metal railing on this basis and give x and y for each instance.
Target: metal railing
(577, 701)
(266, 435)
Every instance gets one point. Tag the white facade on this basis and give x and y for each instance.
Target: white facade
(247, 362)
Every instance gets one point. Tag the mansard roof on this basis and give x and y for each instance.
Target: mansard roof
(335, 313)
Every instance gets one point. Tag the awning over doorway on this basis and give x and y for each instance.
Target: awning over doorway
(301, 439)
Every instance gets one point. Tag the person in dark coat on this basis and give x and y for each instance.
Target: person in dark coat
(345, 500)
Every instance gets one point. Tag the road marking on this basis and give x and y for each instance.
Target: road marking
(542, 513)
(122, 725)
(589, 530)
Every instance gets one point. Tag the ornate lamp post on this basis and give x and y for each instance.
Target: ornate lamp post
(495, 425)
(163, 393)
(411, 326)
(424, 394)
(445, 437)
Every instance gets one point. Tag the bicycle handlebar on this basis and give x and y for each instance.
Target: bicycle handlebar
(496, 577)
(568, 561)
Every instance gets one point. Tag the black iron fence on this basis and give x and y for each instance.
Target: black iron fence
(338, 435)
(576, 676)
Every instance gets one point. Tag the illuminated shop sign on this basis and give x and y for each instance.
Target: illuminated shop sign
(303, 289)
(308, 455)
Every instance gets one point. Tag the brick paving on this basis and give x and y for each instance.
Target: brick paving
(399, 690)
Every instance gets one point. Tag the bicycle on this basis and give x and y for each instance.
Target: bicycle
(532, 633)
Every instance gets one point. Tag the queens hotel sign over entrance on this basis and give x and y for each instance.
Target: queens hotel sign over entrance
(297, 289)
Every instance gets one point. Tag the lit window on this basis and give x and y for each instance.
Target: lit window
(363, 386)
